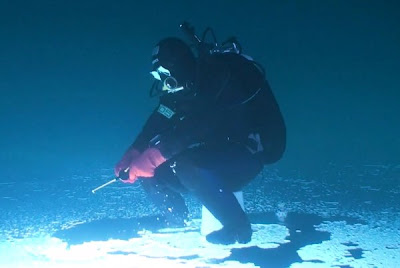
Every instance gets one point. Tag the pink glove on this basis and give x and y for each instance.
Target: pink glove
(126, 160)
(145, 164)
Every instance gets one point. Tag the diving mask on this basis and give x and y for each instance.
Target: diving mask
(169, 83)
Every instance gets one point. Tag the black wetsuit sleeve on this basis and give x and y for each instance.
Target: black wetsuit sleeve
(155, 124)
(189, 130)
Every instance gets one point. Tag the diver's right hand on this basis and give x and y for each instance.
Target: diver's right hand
(130, 155)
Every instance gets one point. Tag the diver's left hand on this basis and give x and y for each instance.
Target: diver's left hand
(145, 164)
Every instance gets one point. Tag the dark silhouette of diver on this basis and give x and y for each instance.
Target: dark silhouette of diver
(216, 125)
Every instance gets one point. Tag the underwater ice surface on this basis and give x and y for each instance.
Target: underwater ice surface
(349, 217)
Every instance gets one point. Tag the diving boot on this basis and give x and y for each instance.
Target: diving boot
(231, 234)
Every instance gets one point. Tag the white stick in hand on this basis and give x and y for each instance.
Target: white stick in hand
(104, 185)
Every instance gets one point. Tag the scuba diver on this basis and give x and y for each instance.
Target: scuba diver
(216, 125)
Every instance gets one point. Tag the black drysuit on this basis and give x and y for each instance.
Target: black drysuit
(216, 135)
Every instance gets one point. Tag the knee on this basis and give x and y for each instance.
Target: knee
(192, 177)
(185, 172)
